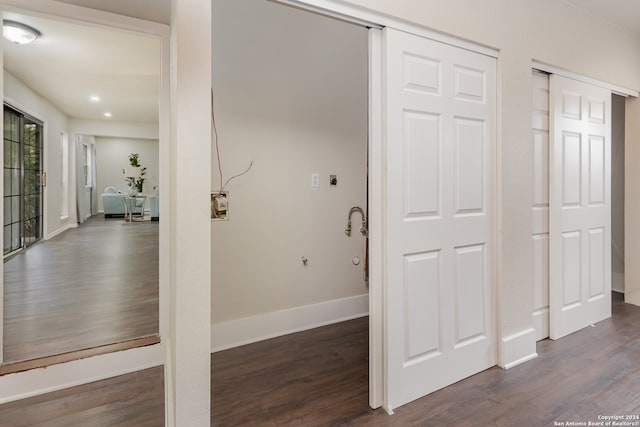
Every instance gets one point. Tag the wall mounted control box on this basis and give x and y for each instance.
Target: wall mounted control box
(220, 205)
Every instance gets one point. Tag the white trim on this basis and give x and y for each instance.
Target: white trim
(518, 348)
(550, 69)
(61, 230)
(334, 14)
(376, 199)
(57, 377)
(238, 332)
(371, 18)
(498, 204)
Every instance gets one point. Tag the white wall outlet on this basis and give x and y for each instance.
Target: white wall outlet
(220, 206)
(315, 180)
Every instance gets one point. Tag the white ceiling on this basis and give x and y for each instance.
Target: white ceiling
(150, 10)
(72, 61)
(623, 13)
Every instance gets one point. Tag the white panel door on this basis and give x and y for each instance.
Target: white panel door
(540, 206)
(439, 136)
(580, 206)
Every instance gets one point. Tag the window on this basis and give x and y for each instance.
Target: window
(64, 175)
(22, 180)
(86, 161)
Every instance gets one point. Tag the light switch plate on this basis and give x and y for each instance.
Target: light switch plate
(315, 180)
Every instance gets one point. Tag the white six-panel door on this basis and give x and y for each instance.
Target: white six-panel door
(440, 159)
(580, 205)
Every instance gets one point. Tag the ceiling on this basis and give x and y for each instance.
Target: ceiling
(150, 10)
(70, 62)
(623, 13)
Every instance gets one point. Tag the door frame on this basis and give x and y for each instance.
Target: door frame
(550, 69)
(33, 382)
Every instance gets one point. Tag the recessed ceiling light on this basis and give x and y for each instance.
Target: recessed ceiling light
(107, 115)
(18, 32)
(94, 98)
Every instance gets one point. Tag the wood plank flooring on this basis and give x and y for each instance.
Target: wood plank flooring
(87, 287)
(132, 400)
(319, 378)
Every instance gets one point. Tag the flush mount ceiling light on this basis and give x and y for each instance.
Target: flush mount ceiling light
(108, 115)
(18, 32)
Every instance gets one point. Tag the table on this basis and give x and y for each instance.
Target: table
(130, 203)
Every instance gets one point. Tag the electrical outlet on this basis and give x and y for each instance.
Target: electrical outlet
(220, 206)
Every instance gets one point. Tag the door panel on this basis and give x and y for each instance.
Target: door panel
(439, 217)
(540, 207)
(580, 206)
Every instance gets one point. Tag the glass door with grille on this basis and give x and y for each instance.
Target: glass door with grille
(22, 180)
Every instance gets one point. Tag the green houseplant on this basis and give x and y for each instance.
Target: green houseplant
(134, 161)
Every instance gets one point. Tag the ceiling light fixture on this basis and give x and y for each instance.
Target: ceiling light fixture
(19, 33)
(107, 115)
(94, 98)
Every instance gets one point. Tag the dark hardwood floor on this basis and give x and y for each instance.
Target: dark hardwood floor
(319, 378)
(132, 400)
(85, 288)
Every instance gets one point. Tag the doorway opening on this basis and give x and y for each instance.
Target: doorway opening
(291, 99)
(55, 80)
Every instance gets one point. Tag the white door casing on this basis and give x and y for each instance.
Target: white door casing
(439, 222)
(580, 205)
(540, 205)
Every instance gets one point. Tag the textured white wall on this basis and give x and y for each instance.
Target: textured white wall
(112, 155)
(114, 128)
(290, 94)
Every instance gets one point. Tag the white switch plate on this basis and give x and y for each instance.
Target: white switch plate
(315, 180)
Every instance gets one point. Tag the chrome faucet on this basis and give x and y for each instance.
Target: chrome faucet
(363, 227)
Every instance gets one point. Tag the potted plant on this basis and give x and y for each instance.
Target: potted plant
(135, 174)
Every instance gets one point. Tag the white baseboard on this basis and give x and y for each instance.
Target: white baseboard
(61, 230)
(57, 377)
(518, 348)
(235, 333)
